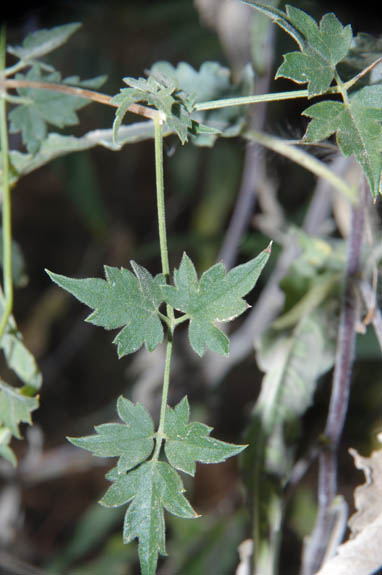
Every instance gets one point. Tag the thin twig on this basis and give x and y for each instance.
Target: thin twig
(80, 92)
(327, 481)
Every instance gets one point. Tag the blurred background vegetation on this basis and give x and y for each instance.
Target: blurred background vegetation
(97, 207)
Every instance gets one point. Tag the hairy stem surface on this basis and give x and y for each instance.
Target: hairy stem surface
(158, 139)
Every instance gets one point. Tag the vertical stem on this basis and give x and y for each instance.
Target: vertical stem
(6, 208)
(158, 140)
(165, 388)
(327, 480)
(160, 195)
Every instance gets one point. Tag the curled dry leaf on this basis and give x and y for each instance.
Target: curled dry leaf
(361, 554)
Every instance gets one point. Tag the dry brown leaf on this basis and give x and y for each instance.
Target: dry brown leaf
(362, 554)
(367, 497)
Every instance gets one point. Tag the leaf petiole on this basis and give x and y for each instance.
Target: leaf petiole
(303, 159)
(350, 83)
(170, 319)
(181, 319)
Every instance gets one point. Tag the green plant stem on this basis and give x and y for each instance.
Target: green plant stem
(166, 384)
(6, 208)
(158, 137)
(246, 100)
(306, 160)
(158, 140)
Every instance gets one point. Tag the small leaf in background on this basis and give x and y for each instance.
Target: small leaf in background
(187, 442)
(5, 451)
(122, 300)
(211, 82)
(57, 145)
(151, 488)
(15, 408)
(42, 42)
(175, 90)
(218, 296)
(16, 404)
(132, 441)
(19, 276)
(358, 129)
(46, 107)
(290, 380)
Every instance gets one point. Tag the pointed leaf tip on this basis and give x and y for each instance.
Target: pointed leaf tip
(122, 300)
(216, 297)
(187, 443)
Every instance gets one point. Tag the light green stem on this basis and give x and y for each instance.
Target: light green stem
(160, 435)
(306, 160)
(158, 137)
(6, 208)
(158, 140)
(246, 100)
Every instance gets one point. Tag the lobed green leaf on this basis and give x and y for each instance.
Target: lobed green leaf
(358, 128)
(132, 441)
(162, 95)
(122, 300)
(321, 46)
(149, 489)
(218, 296)
(187, 442)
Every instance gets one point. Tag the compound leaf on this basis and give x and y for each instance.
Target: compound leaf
(131, 441)
(187, 443)
(150, 488)
(358, 128)
(122, 300)
(163, 95)
(218, 296)
(43, 42)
